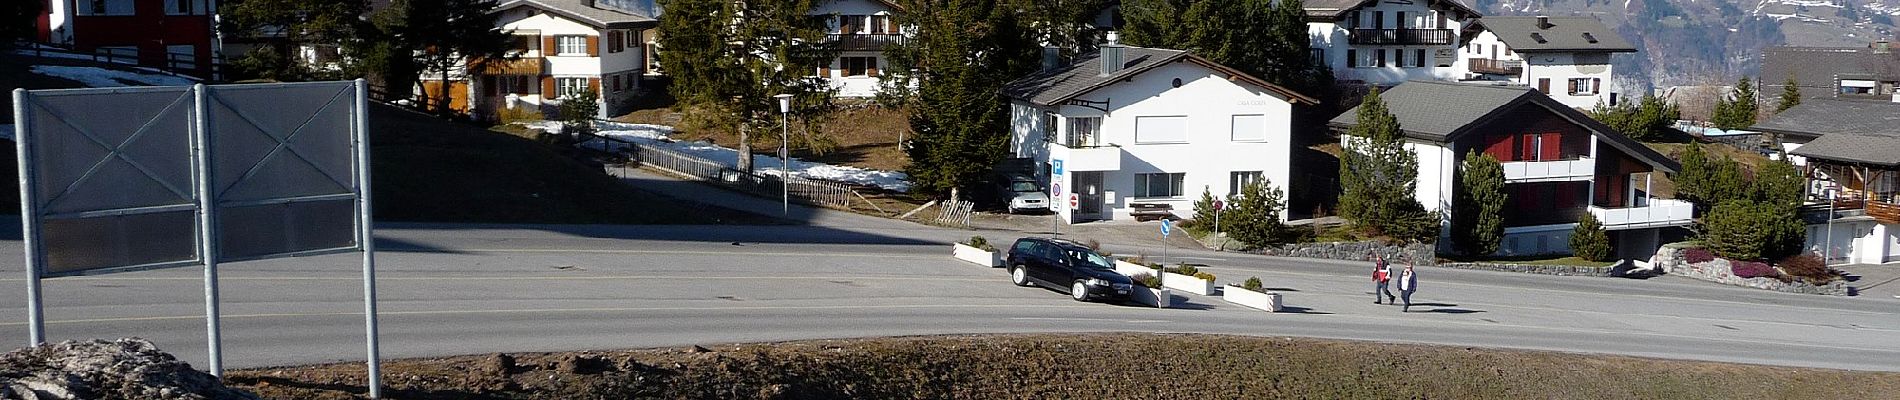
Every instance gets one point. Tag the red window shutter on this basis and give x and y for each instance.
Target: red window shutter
(1553, 144)
(593, 46)
(1500, 148)
(547, 46)
(593, 85)
(547, 87)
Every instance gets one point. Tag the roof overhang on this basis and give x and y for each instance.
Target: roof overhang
(1233, 75)
(569, 15)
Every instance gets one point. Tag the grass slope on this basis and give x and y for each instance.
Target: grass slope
(1087, 366)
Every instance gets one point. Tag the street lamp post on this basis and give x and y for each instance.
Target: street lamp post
(784, 158)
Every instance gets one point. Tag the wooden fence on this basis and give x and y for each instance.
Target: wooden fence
(955, 213)
(801, 190)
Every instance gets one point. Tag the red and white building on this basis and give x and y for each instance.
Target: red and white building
(177, 35)
(1558, 165)
(562, 48)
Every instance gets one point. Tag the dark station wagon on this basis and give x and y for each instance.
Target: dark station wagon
(1067, 266)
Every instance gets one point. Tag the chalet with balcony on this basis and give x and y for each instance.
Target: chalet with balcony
(1852, 153)
(174, 35)
(1567, 58)
(1558, 165)
(861, 30)
(1388, 42)
(1129, 127)
(562, 48)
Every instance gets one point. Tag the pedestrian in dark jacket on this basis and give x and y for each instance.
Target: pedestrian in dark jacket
(1381, 277)
(1408, 283)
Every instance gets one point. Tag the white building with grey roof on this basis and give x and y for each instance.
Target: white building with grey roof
(1385, 43)
(1567, 58)
(1132, 128)
(1851, 153)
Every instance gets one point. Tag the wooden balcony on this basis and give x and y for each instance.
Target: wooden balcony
(1886, 213)
(1401, 36)
(1496, 67)
(865, 42)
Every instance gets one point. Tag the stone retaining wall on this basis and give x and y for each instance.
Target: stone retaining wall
(1421, 253)
(1670, 260)
(1565, 270)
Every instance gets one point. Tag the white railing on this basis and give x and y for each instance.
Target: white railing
(1659, 212)
(1581, 168)
(1093, 158)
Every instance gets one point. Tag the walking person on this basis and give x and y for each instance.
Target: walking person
(1408, 283)
(1381, 277)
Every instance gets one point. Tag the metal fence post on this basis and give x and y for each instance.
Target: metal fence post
(29, 217)
(366, 235)
(207, 225)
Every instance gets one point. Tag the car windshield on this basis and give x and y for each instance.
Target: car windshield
(1021, 186)
(1089, 259)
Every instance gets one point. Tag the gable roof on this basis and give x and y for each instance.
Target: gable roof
(1824, 116)
(1425, 112)
(1524, 35)
(1056, 86)
(1880, 150)
(1335, 8)
(1817, 67)
(592, 13)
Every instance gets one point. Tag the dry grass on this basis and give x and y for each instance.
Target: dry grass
(1078, 366)
(1666, 188)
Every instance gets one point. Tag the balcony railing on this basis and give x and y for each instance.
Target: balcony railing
(1080, 158)
(1550, 171)
(1658, 213)
(1401, 36)
(1497, 67)
(865, 42)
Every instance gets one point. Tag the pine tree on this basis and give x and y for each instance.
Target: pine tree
(1378, 176)
(1778, 186)
(728, 59)
(444, 34)
(1790, 95)
(1478, 224)
(332, 23)
(1649, 119)
(1739, 110)
(1204, 212)
(961, 119)
(1264, 38)
(1589, 241)
(1742, 230)
(1255, 220)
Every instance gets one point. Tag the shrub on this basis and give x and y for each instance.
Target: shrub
(1697, 255)
(1185, 269)
(1753, 269)
(1589, 241)
(1204, 276)
(1809, 267)
(1093, 245)
(1146, 279)
(1254, 219)
(1253, 283)
(1747, 230)
(980, 243)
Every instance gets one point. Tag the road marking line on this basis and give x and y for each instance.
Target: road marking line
(674, 252)
(551, 310)
(490, 278)
(1127, 321)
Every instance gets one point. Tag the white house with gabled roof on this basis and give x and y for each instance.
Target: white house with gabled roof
(1388, 42)
(861, 29)
(1567, 58)
(1131, 126)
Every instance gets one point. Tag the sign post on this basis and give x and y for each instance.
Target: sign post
(1166, 228)
(1217, 208)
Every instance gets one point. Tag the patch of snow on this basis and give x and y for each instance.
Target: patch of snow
(659, 136)
(1696, 128)
(101, 77)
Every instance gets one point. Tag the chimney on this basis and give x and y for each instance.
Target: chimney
(1111, 54)
(588, 3)
(1051, 58)
(1543, 22)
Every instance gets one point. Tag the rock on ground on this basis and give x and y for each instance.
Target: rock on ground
(130, 369)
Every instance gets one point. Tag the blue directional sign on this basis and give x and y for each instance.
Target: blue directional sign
(1166, 228)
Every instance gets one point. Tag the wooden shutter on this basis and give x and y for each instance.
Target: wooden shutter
(1596, 85)
(870, 66)
(890, 24)
(547, 87)
(593, 85)
(548, 46)
(1543, 85)
(593, 46)
(1553, 146)
(1526, 148)
(824, 70)
(1573, 86)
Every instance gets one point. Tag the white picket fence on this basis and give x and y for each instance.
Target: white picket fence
(806, 191)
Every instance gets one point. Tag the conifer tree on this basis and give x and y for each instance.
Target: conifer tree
(971, 48)
(1255, 220)
(1589, 241)
(1478, 223)
(1378, 176)
(1739, 110)
(1790, 95)
(730, 58)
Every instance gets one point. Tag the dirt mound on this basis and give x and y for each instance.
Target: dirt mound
(130, 369)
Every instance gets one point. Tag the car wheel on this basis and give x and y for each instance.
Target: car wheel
(1019, 276)
(1079, 291)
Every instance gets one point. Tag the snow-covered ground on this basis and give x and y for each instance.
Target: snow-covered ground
(658, 136)
(101, 77)
(1695, 128)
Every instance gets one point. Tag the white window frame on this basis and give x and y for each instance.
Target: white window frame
(1175, 181)
(1177, 122)
(570, 45)
(1240, 131)
(1239, 179)
(104, 7)
(1083, 131)
(569, 87)
(193, 7)
(1585, 87)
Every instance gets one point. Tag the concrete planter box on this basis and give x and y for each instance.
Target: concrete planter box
(977, 256)
(1269, 302)
(1187, 283)
(1157, 298)
(1131, 269)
